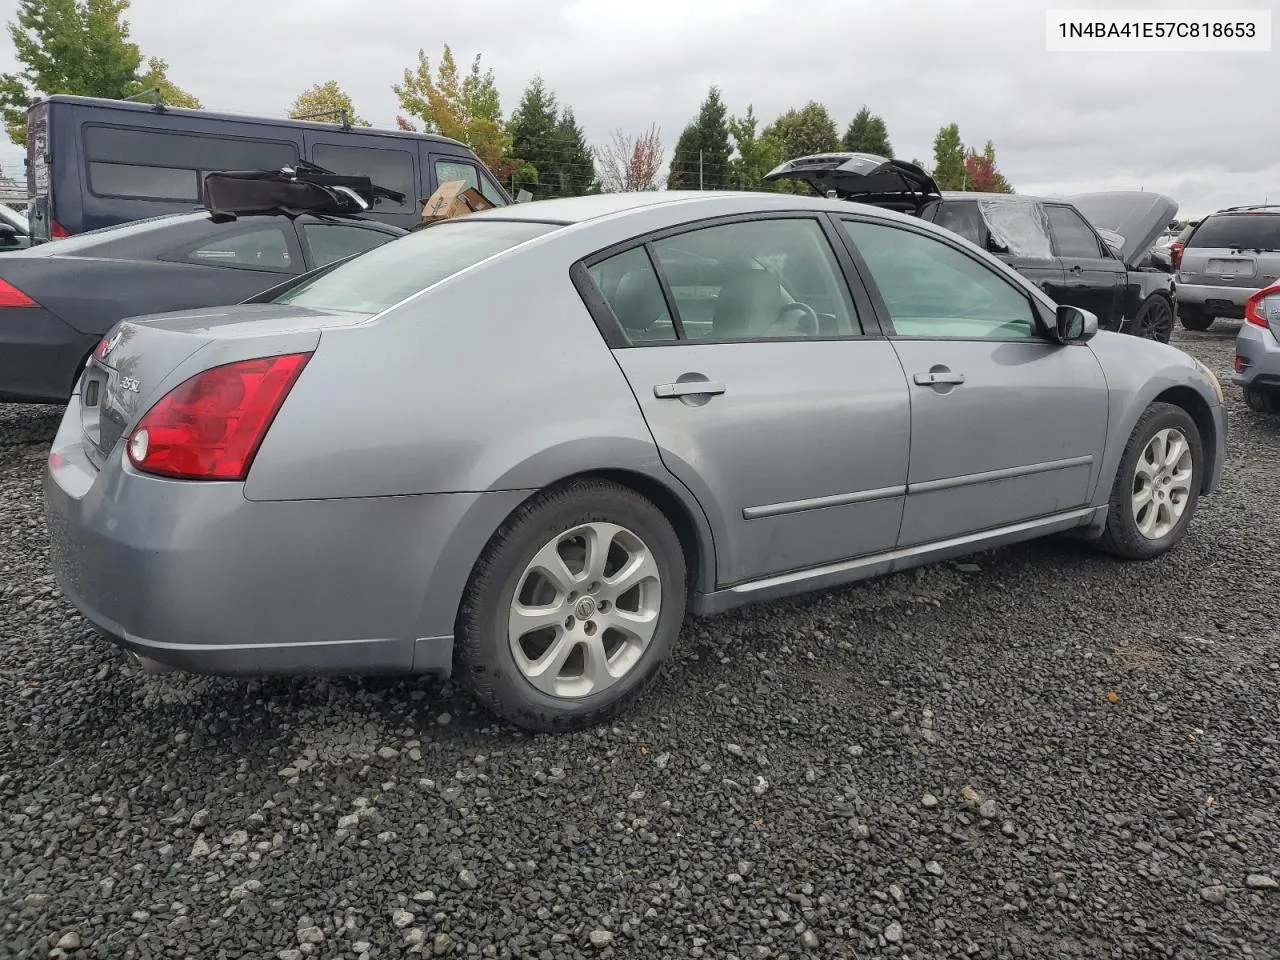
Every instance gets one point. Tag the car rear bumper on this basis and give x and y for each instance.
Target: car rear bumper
(194, 576)
(39, 355)
(1260, 351)
(1221, 301)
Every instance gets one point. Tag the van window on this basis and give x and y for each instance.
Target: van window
(448, 170)
(392, 169)
(163, 165)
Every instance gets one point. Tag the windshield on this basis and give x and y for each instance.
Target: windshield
(1244, 231)
(374, 281)
(13, 217)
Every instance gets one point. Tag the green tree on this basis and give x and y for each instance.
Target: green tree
(949, 171)
(798, 133)
(465, 108)
(575, 167)
(754, 154)
(867, 134)
(701, 157)
(326, 98)
(551, 145)
(79, 47)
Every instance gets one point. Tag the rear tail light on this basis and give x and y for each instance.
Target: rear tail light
(1256, 307)
(210, 426)
(57, 231)
(11, 296)
(1175, 254)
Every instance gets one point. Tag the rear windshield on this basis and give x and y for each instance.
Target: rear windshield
(384, 276)
(1244, 231)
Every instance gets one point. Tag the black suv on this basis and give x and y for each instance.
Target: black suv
(1092, 251)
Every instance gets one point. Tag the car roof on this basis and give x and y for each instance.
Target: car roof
(571, 210)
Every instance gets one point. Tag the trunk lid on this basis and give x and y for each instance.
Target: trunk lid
(142, 358)
(1136, 216)
(862, 177)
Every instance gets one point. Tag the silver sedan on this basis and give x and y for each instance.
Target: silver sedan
(519, 446)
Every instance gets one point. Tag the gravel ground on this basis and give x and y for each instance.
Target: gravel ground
(1040, 753)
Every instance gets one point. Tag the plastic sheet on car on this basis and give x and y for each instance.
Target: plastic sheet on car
(1021, 228)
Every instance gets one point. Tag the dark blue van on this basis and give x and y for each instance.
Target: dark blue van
(96, 163)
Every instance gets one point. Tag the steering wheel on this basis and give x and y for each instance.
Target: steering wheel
(803, 308)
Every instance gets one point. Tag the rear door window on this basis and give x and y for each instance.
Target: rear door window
(388, 168)
(1243, 231)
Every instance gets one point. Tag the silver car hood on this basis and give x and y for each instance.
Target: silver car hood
(1137, 216)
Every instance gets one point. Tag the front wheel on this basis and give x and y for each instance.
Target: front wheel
(1155, 319)
(573, 606)
(1157, 486)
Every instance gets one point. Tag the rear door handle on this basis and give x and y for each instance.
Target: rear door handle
(935, 377)
(1077, 269)
(687, 388)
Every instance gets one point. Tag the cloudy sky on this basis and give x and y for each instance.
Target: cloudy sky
(1187, 124)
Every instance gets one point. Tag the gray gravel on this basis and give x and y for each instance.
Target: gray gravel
(1096, 744)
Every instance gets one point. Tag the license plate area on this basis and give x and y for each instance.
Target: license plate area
(1230, 269)
(92, 389)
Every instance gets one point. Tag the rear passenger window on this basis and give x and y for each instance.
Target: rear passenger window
(256, 250)
(633, 292)
(392, 169)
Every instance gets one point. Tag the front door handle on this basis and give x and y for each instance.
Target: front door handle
(936, 377)
(687, 388)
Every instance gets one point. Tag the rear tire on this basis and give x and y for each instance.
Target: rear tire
(1262, 400)
(1193, 318)
(547, 637)
(1155, 319)
(1157, 486)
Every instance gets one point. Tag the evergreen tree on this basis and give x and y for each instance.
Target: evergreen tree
(867, 134)
(701, 158)
(576, 162)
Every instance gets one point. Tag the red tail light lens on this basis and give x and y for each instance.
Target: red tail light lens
(11, 296)
(57, 231)
(1255, 310)
(1175, 254)
(210, 426)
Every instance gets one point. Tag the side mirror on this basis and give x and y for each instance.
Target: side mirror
(8, 234)
(1074, 325)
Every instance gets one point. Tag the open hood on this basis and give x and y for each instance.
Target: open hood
(1137, 216)
(863, 177)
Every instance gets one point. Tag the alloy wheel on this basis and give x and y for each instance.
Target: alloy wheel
(585, 609)
(1162, 483)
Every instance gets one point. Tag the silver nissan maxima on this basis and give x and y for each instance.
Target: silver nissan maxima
(520, 445)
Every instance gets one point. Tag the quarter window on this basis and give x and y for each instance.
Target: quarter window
(933, 290)
(635, 296)
(330, 242)
(392, 169)
(256, 250)
(1071, 235)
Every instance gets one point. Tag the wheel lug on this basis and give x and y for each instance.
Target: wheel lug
(590, 628)
(573, 595)
(593, 588)
(569, 622)
(604, 606)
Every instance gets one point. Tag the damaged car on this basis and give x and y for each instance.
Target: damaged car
(1055, 243)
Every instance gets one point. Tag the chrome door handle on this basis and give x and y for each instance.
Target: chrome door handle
(1077, 269)
(933, 378)
(687, 388)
